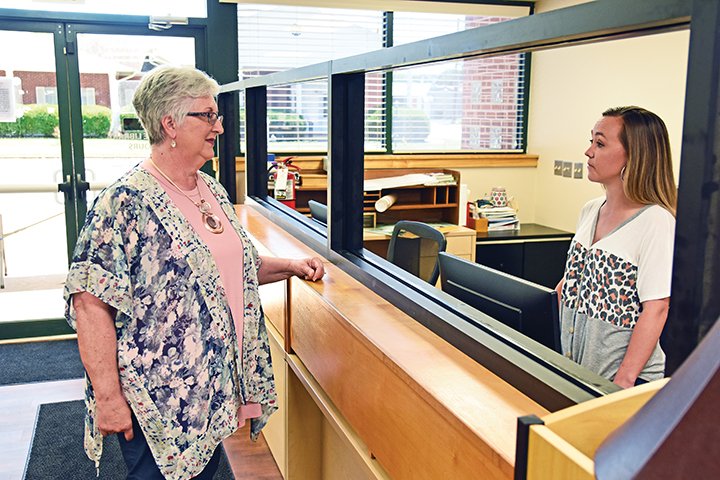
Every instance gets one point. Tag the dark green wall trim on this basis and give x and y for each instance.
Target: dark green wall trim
(94, 18)
(229, 143)
(222, 65)
(526, 78)
(222, 45)
(34, 328)
(388, 41)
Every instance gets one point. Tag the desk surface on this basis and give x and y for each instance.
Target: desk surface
(526, 231)
(384, 233)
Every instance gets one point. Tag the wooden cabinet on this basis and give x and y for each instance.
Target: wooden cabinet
(423, 203)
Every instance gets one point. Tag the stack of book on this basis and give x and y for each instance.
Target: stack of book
(500, 218)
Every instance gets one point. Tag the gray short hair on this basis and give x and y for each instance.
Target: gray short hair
(169, 90)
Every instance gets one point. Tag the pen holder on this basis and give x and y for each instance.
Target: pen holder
(479, 224)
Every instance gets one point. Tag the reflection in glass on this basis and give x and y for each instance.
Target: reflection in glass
(111, 67)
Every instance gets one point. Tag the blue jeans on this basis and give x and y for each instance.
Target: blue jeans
(141, 464)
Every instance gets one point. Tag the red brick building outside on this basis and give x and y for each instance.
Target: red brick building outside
(492, 98)
(99, 82)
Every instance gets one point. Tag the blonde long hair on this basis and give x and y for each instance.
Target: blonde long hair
(648, 177)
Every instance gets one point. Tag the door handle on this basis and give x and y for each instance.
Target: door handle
(68, 186)
(82, 185)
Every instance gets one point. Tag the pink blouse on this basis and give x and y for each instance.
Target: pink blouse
(225, 247)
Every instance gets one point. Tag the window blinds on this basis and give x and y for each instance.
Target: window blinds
(465, 105)
(274, 38)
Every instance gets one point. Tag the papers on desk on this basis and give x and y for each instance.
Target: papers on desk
(500, 218)
(427, 179)
(387, 229)
(384, 229)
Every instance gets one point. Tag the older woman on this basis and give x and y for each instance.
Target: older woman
(163, 293)
(616, 290)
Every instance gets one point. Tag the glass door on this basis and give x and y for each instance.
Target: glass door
(67, 130)
(33, 153)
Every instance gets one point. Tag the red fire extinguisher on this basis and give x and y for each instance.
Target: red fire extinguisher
(285, 177)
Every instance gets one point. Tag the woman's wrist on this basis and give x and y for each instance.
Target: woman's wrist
(108, 393)
(624, 379)
(295, 268)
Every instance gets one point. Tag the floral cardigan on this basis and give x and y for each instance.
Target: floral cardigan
(180, 368)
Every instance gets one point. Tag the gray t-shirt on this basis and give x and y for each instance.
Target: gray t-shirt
(605, 284)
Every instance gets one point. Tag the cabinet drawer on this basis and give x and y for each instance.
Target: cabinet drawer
(460, 245)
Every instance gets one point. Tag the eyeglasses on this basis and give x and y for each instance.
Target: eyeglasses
(211, 117)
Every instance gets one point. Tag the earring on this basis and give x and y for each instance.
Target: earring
(622, 173)
(173, 144)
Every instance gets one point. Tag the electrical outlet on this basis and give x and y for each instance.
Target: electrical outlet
(578, 170)
(567, 169)
(557, 170)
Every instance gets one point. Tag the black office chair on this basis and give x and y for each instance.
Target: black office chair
(417, 253)
(318, 211)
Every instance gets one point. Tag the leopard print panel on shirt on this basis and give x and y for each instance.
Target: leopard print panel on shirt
(602, 286)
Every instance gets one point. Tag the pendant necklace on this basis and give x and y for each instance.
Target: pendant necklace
(210, 220)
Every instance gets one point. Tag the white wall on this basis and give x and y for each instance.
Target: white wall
(570, 87)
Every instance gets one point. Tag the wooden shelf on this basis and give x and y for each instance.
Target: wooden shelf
(428, 203)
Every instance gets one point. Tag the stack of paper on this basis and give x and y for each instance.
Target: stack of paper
(500, 218)
(440, 179)
(408, 180)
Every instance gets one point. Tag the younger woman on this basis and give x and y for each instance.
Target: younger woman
(616, 289)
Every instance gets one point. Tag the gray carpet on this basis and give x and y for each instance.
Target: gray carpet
(57, 448)
(39, 362)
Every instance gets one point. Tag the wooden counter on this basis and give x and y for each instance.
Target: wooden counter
(367, 392)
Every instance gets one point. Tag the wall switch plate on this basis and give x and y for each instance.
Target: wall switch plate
(578, 170)
(567, 169)
(557, 169)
